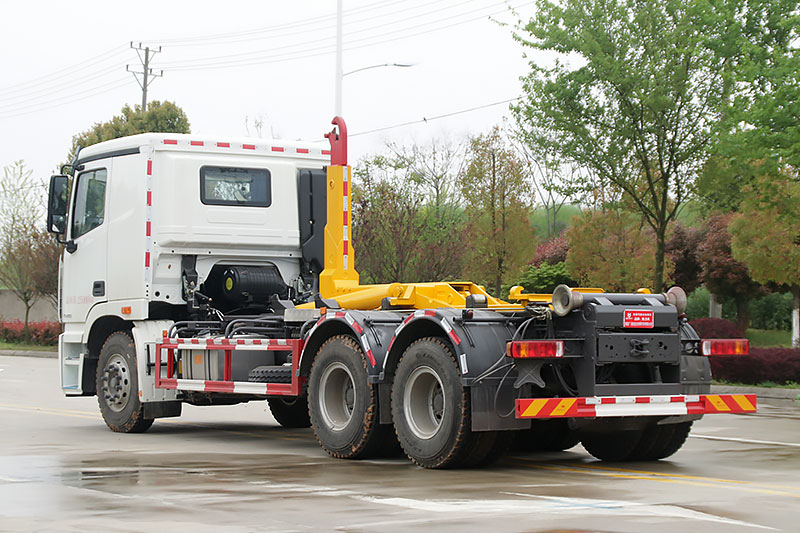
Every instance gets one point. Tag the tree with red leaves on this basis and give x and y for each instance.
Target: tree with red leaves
(721, 273)
(682, 249)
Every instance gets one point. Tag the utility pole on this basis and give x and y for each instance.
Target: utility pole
(146, 72)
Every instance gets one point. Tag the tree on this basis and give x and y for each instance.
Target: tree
(163, 117)
(387, 226)
(494, 190)
(681, 250)
(639, 106)
(551, 252)
(763, 118)
(434, 168)
(766, 236)
(610, 249)
(44, 255)
(721, 273)
(21, 208)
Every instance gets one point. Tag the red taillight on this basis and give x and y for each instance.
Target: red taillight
(522, 349)
(725, 347)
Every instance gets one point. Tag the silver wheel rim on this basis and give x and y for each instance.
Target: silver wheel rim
(424, 402)
(337, 396)
(117, 383)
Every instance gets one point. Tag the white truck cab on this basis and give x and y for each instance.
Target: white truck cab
(141, 205)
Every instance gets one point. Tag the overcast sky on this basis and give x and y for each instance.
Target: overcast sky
(62, 68)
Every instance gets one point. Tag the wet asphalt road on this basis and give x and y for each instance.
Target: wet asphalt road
(234, 469)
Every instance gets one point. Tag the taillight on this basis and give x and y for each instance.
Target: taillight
(725, 347)
(523, 349)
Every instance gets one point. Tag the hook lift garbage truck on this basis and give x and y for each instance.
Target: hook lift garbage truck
(219, 271)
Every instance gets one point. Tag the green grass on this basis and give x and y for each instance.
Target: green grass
(26, 347)
(765, 384)
(763, 338)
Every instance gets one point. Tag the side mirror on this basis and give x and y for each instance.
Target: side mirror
(57, 204)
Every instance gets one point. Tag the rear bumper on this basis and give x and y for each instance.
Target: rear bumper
(616, 406)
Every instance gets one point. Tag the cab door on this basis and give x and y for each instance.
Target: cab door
(85, 262)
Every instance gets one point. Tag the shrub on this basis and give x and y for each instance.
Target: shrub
(716, 328)
(545, 278)
(43, 333)
(552, 252)
(773, 311)
(778, 365)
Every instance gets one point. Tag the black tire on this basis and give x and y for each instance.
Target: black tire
(547, 436)
(118, 386)
(435, 429)
(502, 444)
(614, 446)
(290, 412)
(659, 442)
(342, 404)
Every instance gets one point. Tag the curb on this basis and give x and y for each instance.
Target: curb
(30, 353)
(762, 392)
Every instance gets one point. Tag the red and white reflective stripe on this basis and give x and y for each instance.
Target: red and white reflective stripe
(346, 217)
(353, 324)
(237, 387)
(368, 350)
(148, 226)
(287, 150)
(450, 332)
(219, 343)
(611, 406)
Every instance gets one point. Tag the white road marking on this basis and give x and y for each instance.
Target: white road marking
(554, 505)
(746, 441)
(546, 485)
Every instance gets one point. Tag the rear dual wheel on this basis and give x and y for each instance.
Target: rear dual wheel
(649, 444)
(343, 406)
(431, 411)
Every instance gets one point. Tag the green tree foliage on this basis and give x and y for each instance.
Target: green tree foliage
(722, 274)
(611, 249)
(545, 278)
(162, 117)
(766, 236)
(495, 193)
(763, 119)
(633, 96)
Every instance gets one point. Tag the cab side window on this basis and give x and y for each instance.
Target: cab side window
(90, 202)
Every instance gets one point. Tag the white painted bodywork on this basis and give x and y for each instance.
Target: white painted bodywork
(139, 269)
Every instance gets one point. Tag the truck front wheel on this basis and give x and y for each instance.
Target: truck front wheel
(118, 386)
(343, 406)
(431, 410)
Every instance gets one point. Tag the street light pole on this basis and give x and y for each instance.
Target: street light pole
(339, 75)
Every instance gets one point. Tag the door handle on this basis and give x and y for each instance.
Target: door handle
(99, 288)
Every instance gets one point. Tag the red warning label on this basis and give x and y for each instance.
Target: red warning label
(635, 318)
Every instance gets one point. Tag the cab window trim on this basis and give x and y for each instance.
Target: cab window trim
(74, 207)
(258, 202)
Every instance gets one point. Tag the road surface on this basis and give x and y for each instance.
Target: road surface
(234, 469)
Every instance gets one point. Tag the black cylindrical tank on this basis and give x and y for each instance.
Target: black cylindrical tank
(242, 284)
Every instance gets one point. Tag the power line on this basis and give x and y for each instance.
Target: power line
(53, 76)
(436, 117)
(305, 24)
(326, 49)
(83, 95)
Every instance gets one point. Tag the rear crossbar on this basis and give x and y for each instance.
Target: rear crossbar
(228, 346)
(608, 406)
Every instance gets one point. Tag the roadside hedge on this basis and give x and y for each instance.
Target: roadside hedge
(778, 365)
(43, 333)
